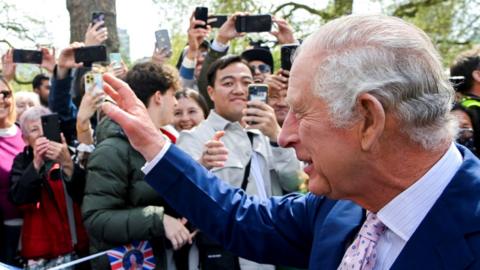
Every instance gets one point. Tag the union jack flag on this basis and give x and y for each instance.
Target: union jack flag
(134, 256)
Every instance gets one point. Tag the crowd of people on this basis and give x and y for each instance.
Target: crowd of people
(93, 190)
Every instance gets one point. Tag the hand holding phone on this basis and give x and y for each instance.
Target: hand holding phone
(163, 41)
(98, 16)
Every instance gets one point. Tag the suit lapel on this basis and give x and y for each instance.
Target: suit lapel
(441, 240)
(339, 226)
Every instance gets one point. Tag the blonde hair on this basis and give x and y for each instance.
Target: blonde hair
(12, 116)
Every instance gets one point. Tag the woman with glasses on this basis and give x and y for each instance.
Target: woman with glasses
(469, 129)
(11, 143)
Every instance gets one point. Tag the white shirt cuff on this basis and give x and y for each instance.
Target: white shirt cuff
(219, 47)
(188, 63)
(149, 165)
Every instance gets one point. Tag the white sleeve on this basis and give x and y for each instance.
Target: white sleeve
(149, 165)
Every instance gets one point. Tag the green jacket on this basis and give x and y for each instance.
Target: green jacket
(119, 206)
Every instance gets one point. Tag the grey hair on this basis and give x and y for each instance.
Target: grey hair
(34, 97)
(32, 114)
(392, 60)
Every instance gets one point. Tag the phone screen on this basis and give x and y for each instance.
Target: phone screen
(51, 127)
(27, 56)
(258, 92)
(116, 60)
(220, 20)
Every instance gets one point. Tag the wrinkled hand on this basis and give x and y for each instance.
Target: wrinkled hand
(227, 32)
(8, 66)
(215, 153)
(176, 232)
(263, 117)
(284, 34)
(160, 56)
(96, 34)
(132, 116)
(48, 59)
(39, 150)
(66, 60)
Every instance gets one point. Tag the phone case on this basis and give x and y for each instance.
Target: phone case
(27, 56)
(286, 53)
(201, 13)
(94, 83)
(116, 60)
(253, 24)
(51, 127)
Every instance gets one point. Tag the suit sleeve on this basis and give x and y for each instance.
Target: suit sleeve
(105, 209)
(277, 231)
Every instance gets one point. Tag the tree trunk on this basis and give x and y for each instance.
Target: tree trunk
(81, 15)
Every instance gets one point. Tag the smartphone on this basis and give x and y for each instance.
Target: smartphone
(93, 82)
(286, 53)
(253, 23)
(258, 91)
(51, 127)
(201, 13)
(27, 56)
(116, 60)
(98, 16)
(163, 40)
(456, 81)
(90, 54)
(221, 19)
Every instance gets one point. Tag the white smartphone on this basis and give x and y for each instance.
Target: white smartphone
(94, 82)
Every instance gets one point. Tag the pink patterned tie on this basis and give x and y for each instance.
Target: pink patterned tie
(361, 254)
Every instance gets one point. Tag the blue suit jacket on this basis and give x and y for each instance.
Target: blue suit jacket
(314, 231)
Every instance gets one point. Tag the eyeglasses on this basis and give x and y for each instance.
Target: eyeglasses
(263, 68)
(465, 132)
(5, 94)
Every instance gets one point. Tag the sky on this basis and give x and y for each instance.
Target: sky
(141, 18)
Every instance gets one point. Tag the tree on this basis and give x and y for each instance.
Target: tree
(81, 15)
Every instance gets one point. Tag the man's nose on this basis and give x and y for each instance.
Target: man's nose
(288, 136)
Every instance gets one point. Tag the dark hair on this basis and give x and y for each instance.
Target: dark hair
(464, 65)
(473, 113)
(222, 63)
(37, 81)
(195, 96)
(147, 78)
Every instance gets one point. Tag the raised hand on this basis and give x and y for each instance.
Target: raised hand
(284, 34)
(48, 59)
(215, 153)
(66, 60)
(130, 113)
(8, 66)
(96, 34)
(227, 32)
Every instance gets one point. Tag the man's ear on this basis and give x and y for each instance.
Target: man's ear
(157, 98)
(372, 120)
(210, 93)
(476, 75)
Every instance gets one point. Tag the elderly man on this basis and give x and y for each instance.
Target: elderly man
(370, 116)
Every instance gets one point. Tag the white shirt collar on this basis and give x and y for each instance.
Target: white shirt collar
(406, 211)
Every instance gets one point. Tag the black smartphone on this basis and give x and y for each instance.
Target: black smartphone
(51, 127)
(27, 56)
(253, 23)
(286, 53)
(98, 16)
(90, 54)
(456, 81)
(220, 20)
(201, 13)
